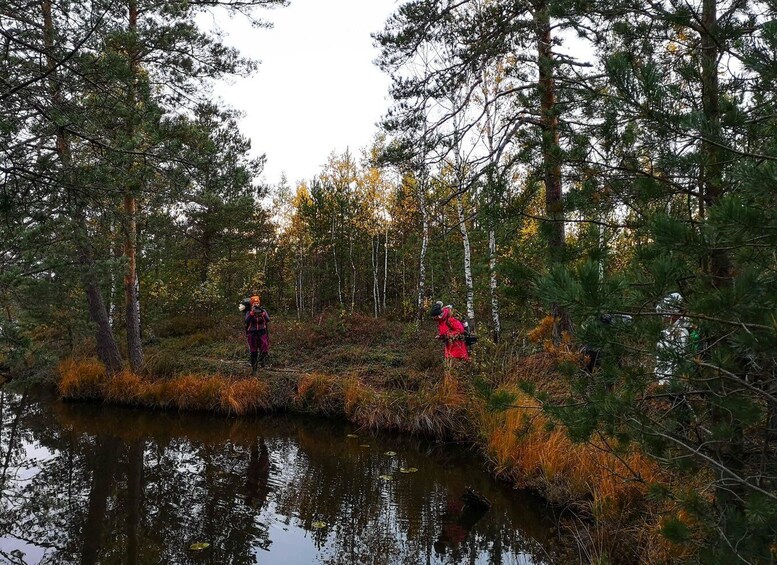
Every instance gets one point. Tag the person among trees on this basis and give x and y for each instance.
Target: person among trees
(675, 338)
(451, 331)
(257, 322)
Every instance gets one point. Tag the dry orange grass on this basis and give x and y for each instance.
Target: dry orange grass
(87, 380)
(324, 394)
(437, 409)
(245, 396)
(522, 445)
(562, 348)
(193, 392)
(81, 378)
(125, 388)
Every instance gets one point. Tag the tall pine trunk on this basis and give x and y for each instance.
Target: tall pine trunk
(712, 158)
(728, 453)
(551, 150)
(131, 283)
(107, 349)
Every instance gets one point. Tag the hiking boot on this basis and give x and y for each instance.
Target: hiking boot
(254, 359)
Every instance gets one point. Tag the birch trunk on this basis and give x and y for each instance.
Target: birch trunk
(467, 260)
(353, 278)
(424, 247)
(337, 269)
(375, 287)
(385, 269)
(497, 326)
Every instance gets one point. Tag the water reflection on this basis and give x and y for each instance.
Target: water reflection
(87, 484)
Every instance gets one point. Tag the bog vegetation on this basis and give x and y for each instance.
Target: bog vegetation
(545, 165)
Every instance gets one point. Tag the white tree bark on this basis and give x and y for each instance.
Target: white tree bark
(353, 278)
(385, 268)
(337, 269)
(467, 260)
(375, 287)
(492, 284)
(424, 247)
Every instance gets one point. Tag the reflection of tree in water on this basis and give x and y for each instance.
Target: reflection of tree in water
(257, 474)
(390, 521)
(102, 499)
(136, 487)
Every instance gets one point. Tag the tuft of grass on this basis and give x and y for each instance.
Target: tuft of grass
(245, 396)
(322, 394)
(194, 392)
(125, 388)
(81, 378)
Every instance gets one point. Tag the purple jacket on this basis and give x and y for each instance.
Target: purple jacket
(257, 322)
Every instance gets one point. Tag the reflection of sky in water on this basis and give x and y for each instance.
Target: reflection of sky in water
(253, 489)
(19, 551)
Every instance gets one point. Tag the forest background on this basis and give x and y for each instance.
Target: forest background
(511, 178)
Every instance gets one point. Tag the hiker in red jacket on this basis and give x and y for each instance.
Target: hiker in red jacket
(451, 331)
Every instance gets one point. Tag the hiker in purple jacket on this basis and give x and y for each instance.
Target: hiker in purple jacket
(257, 322)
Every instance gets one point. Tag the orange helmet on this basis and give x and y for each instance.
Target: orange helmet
(255, 300)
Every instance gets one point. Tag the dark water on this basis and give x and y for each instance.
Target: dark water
(91, 484)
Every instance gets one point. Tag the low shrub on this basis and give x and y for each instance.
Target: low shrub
(182, 325)
(164, 363)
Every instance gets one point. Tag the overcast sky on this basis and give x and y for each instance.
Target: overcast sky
(317, 89)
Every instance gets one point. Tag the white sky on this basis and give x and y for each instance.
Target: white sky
(317, 89)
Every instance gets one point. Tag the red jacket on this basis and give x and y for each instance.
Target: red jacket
(452, 332)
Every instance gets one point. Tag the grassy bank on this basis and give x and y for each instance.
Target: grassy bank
(385, 376)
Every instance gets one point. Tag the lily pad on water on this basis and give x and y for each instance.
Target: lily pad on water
(408, 470)
(386, 478)
(352, 436)
(319, 525)
(199, 546)
(390, 453)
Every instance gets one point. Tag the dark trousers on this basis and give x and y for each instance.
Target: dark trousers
(259, 345)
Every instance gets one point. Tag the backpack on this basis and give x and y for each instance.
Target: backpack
(470, 338)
